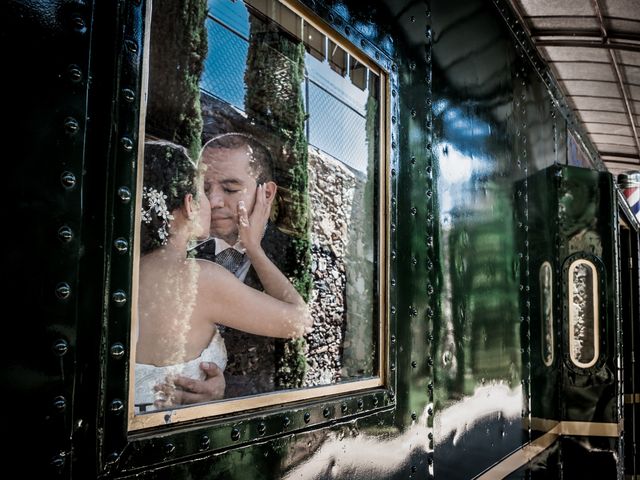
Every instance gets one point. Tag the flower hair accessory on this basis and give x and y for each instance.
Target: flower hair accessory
(156, 202)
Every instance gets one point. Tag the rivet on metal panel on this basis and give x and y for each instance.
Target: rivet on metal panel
(117, 351)
(59, 404)
(414, 210)
(235, 434)
(286, 421)
(117, 406)
(60, 347)
(128, 95)
(68, 180)
(169, 448)
(306, 417)
(205, 442)
(121, 245)
(71, 126)
(262, 428)
(74, 73)
(65, 234)
(413, 157)
(414, 364)
(414, 261)
(58, 460)
(393, 339)
(392, 367)
(127, 144)
(119, 297)
(63, 290)
(326, 412)
(413, 311)
(344, 407)
(78, 24)
(125, 194)
(412, 19)
(393, 310)
(113, 457)
(360, 404)
(131, 45)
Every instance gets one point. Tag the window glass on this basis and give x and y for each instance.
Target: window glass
(260, 245)
(583, 313)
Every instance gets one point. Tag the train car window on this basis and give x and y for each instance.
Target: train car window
(584, 338)
(546, 309)
(262, 246)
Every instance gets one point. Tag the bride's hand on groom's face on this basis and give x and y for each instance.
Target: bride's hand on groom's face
(184, 390)
(251, 226)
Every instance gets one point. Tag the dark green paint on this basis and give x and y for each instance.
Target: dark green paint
(465, 251)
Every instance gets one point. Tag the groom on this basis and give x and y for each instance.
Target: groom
(236, 164)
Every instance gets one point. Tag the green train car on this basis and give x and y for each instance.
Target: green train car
(305, 239)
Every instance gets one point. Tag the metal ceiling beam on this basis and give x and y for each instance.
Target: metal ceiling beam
(587, 44)
(616, 68)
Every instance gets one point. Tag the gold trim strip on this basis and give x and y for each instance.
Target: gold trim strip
(554, 430)
(520, 457)
(167, 417)
(543, 424)
(591, 429)
(631, 398)
(632, 477)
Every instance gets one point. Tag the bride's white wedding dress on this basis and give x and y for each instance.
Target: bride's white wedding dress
(148, 376)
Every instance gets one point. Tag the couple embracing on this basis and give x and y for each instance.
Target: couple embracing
(185, 292)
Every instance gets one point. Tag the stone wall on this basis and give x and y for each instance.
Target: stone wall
(331, 189)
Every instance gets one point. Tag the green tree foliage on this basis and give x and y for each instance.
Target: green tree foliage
(274, 76)
(176, 61)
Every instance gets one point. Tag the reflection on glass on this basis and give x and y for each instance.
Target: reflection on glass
(546, 309)
(583, 313)
(259, 245)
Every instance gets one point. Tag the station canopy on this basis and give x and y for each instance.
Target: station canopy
(593, 50)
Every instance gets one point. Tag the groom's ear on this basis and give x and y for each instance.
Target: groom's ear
(270, 189)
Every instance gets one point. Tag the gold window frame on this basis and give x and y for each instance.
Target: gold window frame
(274, 399)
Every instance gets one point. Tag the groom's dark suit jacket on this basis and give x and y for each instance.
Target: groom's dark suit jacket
(251, 365)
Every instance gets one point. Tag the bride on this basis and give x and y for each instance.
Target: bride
(181, 299)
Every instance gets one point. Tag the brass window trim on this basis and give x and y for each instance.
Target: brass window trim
(276, 399)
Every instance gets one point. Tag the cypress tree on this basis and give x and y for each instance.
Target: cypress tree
(274, 79)
(177, 51)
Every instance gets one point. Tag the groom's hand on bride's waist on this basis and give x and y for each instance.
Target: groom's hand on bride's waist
(187, 390)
